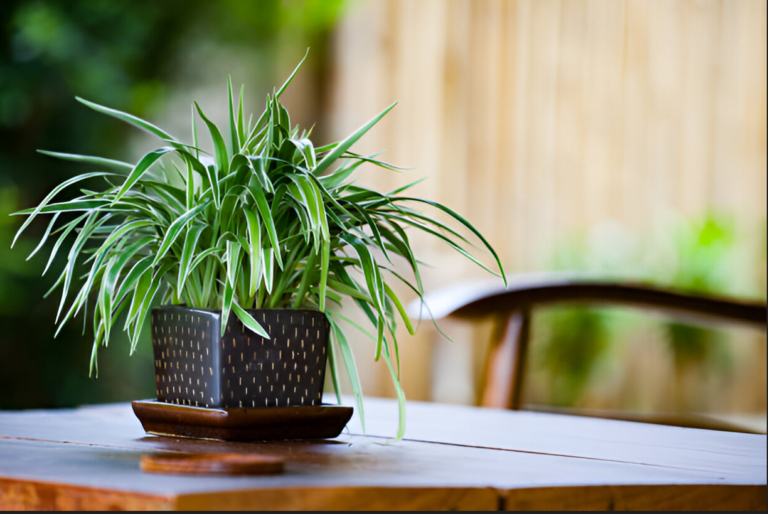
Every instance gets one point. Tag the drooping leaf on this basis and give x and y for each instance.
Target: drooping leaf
(101, 162)
(41, 208)
(128, 118)
(249, 321)
(155, 283)
(45, 236)
(458, 217)
(226, 305)
(392, 296)
(351, 366)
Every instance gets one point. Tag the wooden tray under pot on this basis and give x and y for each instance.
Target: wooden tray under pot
(254, 424)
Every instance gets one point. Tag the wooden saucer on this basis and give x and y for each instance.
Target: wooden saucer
(259, 424)
(212, 464)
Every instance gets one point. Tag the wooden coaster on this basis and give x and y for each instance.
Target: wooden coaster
(212, 464)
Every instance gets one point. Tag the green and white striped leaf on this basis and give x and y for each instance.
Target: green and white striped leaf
(190, 244)
(101, 162)
(41, 208)
(175, 230)
(128, 118)
(248, 320)
(254, 241)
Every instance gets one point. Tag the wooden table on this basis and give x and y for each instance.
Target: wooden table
(453, 458)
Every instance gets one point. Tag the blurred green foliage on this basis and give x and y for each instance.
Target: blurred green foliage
(124, 54)
(705, 256)
(569, 349)
(708, 268)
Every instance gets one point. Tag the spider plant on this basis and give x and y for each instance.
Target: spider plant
(267, 221)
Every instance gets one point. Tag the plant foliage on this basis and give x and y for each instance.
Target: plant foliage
(267, 221)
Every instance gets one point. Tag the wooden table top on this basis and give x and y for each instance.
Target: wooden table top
(452, 458)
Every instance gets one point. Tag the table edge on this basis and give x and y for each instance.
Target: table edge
(27, 494)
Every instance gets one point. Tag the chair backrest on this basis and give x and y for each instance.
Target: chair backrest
(511, 309)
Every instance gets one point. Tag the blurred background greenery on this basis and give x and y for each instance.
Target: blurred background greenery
(523, 115)
(576, 352)
(138, 57)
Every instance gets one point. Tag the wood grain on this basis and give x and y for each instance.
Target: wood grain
(583, 437)
(650, 497)
(346, 499)
(202, 463)
(32, 495)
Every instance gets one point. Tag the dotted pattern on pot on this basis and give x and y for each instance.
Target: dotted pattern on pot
(196, 367)
(185, 361)
(286, 370)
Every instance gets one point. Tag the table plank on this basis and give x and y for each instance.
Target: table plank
(742, 456)
(497, 460)
(657, 497)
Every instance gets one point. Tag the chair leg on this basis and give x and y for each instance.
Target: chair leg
(505, 365)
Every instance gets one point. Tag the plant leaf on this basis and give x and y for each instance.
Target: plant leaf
(229, 293)
(155, 283)
(140, 169)
(254, 239)
(220, 149)
(249, 321)
(349, 364)
(190, 243)
(325, 259)
(128, 118)
(233, 132)
(458, 217)
(233, 261)
(400, 399)
(45, 236)
(56, 190)
(269, 223)
(333, 365)
(392, 296)
(344, 145)
(287, 82)
(240, 126)
(267, 258)
(175, 229)
(89, 159)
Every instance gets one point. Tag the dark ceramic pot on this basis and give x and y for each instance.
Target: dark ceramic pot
(195, 366)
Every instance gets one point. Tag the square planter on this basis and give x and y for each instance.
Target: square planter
(196, 366)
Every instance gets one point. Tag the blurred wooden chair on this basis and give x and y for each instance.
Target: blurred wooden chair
(504, 377)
